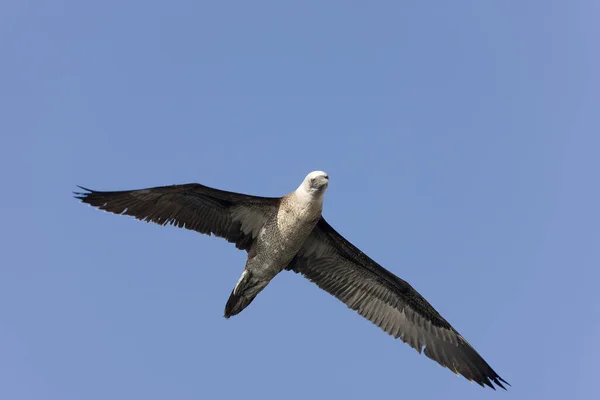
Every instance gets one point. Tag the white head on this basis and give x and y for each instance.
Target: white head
(315, 183)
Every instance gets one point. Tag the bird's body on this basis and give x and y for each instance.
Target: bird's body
(278, 242)
(289, 233)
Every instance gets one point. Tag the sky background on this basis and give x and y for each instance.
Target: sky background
(462, 143)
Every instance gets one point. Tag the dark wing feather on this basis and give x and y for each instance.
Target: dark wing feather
(233, 216)
(342, 270)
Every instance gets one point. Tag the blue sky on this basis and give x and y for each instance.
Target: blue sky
(461, 139)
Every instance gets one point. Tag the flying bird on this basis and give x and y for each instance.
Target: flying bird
(289, 233)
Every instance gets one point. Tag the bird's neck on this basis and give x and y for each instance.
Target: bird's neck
(308, 199)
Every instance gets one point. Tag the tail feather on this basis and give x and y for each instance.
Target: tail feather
(245, 290)
(236, 304)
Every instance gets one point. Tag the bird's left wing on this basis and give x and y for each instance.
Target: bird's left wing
(235, 217)
(389, 302)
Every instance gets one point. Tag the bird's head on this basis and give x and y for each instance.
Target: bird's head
(316, 182)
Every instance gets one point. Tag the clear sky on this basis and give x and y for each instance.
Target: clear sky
(461, 139)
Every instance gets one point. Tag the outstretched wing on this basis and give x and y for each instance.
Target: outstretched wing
(342, 270)
(235, 217)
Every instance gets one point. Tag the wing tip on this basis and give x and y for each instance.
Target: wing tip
(82, 195)
(492, 379)
(498, 381)
(479, 372)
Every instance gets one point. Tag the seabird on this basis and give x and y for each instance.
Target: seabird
(289, 233)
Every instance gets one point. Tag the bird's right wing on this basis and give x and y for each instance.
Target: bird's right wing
(341, 269)
(235, 217)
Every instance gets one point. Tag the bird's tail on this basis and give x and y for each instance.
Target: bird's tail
(236, 304)
(243, 293)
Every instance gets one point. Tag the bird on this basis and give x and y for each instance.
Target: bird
(289, 233)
